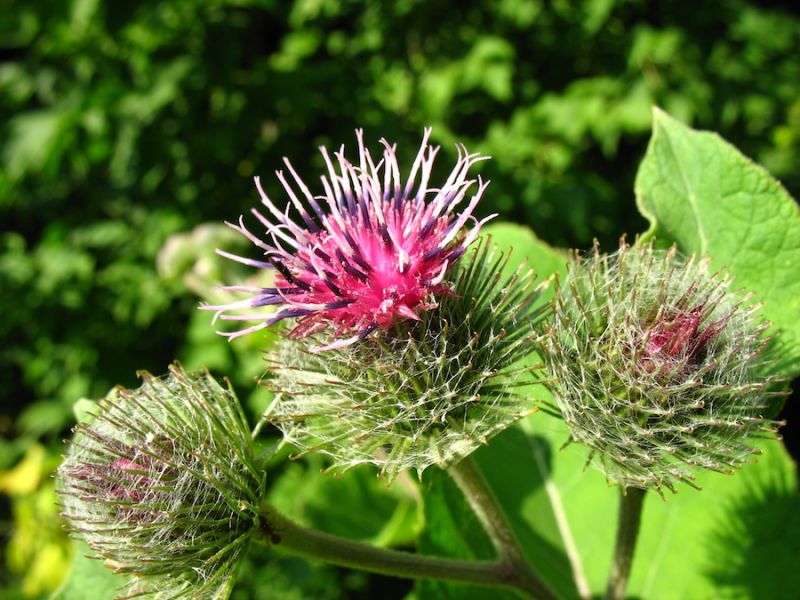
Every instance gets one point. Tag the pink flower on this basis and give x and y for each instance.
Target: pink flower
(374, 250)
(674, 344)
(136, 475)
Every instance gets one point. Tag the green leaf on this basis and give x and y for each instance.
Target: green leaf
(699, 191)
(88, 579)
(526, 247)
(515, 466)
(453, 531)
(33, 139)
(738, 538)
(356, 505)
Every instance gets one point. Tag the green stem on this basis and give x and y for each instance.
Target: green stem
(630, 516)
(469, 478)
(287, 536)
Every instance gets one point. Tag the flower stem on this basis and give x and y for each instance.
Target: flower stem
(469, 478)
(287, 536)
(630, 516)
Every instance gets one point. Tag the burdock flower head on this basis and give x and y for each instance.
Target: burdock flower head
(374, 251)
(427, 392)
(163, 485)
(657, 367)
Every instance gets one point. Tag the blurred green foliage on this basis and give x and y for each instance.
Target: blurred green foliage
(128, 126)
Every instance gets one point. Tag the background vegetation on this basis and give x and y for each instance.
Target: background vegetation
(131, 130)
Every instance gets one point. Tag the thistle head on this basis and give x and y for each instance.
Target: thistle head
(657, 367)
(426, 392)
(162, 484)
(372, 250)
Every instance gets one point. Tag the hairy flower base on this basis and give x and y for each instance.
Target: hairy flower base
(657, 367)
(378, 255)
(427, 393)
(162, 484)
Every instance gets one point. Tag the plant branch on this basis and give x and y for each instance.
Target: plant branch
(630, 516)
(285, 535)
(469, 478)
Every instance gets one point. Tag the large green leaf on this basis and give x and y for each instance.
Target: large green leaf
(701, 192)
(515, 466)
(739, 537)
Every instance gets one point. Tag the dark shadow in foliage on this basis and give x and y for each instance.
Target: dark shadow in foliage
(501, 472)
(755, 547)
(268, 574)
(458, 533)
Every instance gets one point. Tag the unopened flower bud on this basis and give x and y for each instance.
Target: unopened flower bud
(657, 367)
(162, 484)
(424, 392)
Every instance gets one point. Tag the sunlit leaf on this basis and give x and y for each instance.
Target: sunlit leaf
(701, 192)
(88, 579)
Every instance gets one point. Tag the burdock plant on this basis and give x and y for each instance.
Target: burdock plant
(399, 356)
(438, 377)
(405, 342)
(402, 354)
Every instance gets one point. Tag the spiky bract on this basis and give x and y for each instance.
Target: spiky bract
(379, 254)
(429, 392)
(657, 367)
(163, 485)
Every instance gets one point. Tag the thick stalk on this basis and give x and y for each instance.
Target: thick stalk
(285, 535)
(630, 516)
(469, 478)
